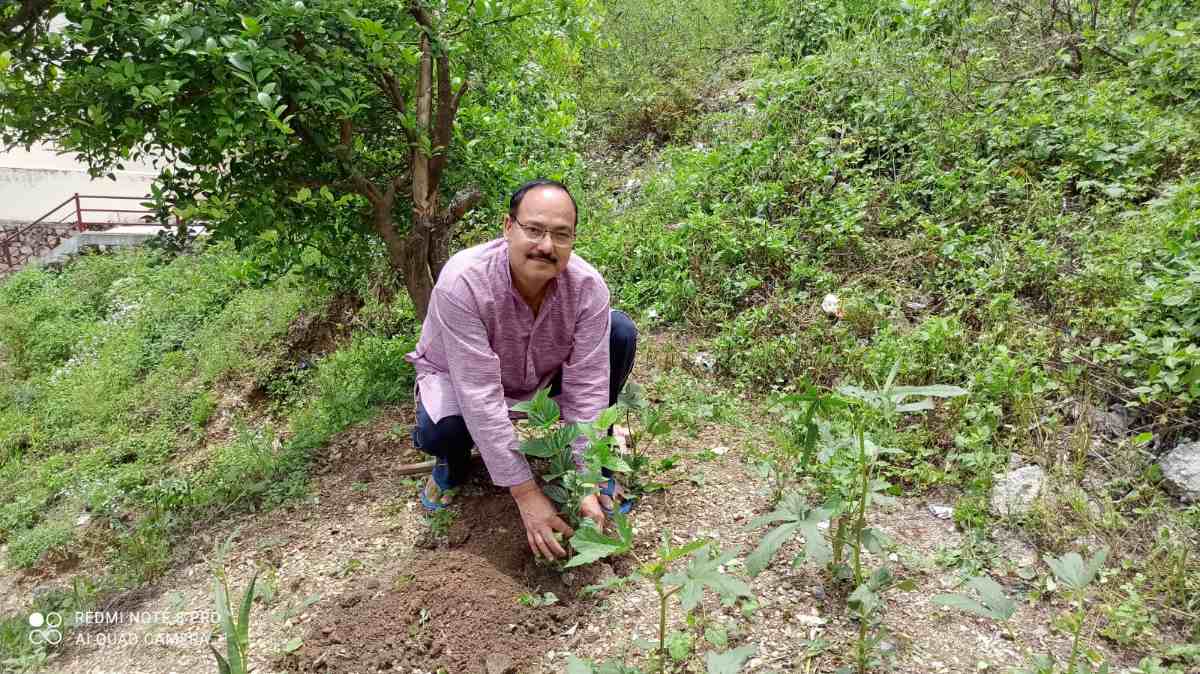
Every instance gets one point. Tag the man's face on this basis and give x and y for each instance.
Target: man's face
(546, 211)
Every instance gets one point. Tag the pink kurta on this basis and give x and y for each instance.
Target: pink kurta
(482, 350)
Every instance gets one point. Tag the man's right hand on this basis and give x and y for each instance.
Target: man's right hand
(541, 520)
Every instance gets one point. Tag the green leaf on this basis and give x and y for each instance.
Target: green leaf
(633, 396)
(683, 551)
(993, 603)
(1191, 376)
(607, 418)
(243, 627)
(704, 572)
(679, 645)
(796, 516)
(919, 406)
(729, 662)
(222, 663)
(550, 444)
(1072, 571)
(252, 26)
(863, 599)
(577, 666)
(293, 644)
(591, 544)
(760, 559)
(717, 636)
(542, 410)
(239, 61)
(963, 603)
(874, 540)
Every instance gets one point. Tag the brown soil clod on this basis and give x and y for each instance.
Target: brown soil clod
(454, 607)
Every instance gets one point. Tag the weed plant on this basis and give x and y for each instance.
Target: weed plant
(234, 628)
(1075, 575)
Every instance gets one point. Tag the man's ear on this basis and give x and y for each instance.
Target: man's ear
(507, 226)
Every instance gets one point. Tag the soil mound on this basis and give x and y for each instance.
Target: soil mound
(453, 607)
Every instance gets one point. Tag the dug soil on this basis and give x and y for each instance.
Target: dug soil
(452, 607)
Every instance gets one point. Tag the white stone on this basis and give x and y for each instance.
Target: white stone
(1181, 471)
(1016, 491)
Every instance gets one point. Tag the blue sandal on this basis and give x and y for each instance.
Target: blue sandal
(610, 490)
(441, 478)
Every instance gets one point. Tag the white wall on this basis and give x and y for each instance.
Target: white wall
(35, 181)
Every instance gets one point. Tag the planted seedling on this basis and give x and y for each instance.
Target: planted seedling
(570, 479)
(651, 426)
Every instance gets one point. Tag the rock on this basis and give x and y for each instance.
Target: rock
(886, 647)
(941, 512)
(499, 663)
(1016, 491)
(832, 305)
(704, 360)
(83, 520)
(1181, 471)
(1113, 423)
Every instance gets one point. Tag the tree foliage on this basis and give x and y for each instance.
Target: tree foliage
(273, 119)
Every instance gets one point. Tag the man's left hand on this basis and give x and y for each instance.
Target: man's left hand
(590, 507)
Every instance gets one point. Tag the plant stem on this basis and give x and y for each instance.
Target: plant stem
(862, 643)
(860, 521)
(1075, 643)
(662, 623)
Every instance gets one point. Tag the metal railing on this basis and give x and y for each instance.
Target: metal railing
(75, 217)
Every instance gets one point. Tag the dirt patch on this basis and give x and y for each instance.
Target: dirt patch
(453, 607)
(322, 332)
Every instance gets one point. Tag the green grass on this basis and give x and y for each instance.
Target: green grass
(115, 368)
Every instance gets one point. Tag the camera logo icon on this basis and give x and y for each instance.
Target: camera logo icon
(47, 629)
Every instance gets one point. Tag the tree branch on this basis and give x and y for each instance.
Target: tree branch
(445, 121)
(461, 204)
(420, 160)
(345, 148)
(504, 19)
(391, 89)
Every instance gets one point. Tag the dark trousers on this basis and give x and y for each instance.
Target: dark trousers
(451, 443)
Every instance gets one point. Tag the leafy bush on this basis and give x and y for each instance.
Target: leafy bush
(1160, 349)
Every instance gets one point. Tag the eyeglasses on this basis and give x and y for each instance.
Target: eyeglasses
(535, 234)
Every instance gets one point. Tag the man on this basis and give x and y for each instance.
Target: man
(507, 318)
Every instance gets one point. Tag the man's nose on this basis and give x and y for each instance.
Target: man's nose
(545, 246)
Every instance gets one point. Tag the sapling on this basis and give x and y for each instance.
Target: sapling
(651, 426)
(801, 432)
(702, 572)
(852, 464)
(1075, 575)
(569, 481)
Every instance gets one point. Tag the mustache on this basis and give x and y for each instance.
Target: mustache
(550, 259)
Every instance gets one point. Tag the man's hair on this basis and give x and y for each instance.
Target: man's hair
(514, 202)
